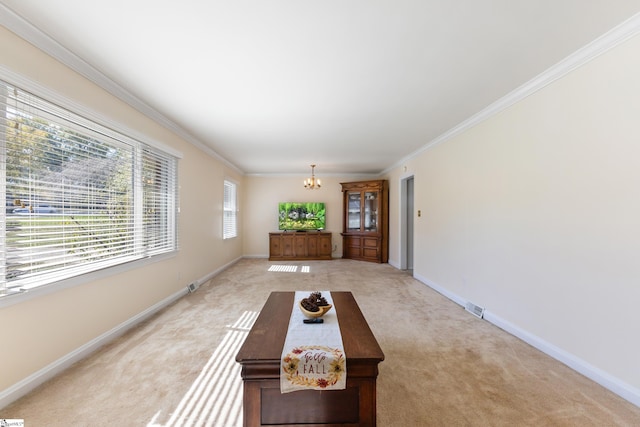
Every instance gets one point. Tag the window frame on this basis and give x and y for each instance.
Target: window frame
(231, 209)
(98, 271)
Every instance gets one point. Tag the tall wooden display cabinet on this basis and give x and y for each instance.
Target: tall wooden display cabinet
(365, 231)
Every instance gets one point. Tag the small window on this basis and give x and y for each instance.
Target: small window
(230, 221)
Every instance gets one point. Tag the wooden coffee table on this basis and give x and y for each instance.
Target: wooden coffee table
(260, 354)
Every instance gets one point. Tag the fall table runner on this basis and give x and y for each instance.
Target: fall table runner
(313, 355)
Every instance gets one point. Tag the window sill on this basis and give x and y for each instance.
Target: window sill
(13, 297)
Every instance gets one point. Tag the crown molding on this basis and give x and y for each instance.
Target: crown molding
(44, 42)
(50, 95)
(604, 43)
(38, 38)
(306, 175)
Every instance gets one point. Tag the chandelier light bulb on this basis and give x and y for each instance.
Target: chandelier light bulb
(312, 182)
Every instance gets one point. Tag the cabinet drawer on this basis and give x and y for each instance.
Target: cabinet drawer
(369, 242)
(370, 253)
(299, 246)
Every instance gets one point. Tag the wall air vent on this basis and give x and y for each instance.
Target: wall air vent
(193, 286)
(476, 310)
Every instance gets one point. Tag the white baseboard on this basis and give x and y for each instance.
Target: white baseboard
(217, 271)
(29, 383)
(37, 378)
(608, 381)
(453, 297)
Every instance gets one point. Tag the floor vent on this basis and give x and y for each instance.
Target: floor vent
(475, 309)
(193, 286)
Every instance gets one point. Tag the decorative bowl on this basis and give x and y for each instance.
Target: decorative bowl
(314, 314)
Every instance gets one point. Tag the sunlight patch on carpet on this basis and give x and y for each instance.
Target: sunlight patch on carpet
(215, 397)
(289, 268)
(284, 268)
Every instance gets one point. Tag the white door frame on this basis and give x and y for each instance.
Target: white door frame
(406, 222)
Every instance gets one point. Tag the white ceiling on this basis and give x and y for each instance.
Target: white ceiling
(354, 86)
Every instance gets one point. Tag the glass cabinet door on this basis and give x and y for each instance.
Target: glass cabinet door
(371, 211)
(353, 211)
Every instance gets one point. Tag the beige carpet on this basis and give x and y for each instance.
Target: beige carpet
(443, 366)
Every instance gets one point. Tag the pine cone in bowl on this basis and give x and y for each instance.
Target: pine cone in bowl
(315, 305)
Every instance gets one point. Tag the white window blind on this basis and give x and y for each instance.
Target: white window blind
(230, 223)
(79, 196)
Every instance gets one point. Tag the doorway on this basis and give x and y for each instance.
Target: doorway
(406, 224)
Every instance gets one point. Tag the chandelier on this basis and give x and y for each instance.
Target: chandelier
(312, 182)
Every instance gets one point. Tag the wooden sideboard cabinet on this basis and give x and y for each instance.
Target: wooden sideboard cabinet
(365, 232)
(302, 245)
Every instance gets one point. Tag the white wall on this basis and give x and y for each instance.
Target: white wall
(535, 215)
(39, 332)
(532, 214)
(260, 207)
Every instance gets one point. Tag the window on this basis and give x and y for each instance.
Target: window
(230, 219)
(79, 196)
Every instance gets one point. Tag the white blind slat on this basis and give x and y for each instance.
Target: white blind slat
(230, 226)
(79, 196)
